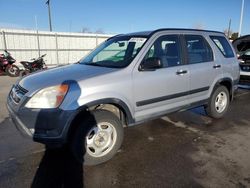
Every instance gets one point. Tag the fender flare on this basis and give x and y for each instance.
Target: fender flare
(117, 102)
(229, 80)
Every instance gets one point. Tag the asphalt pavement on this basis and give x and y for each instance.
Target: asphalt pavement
(186, 149)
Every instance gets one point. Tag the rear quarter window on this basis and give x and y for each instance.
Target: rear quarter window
(223, 45)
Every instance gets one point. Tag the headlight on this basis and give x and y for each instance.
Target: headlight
(50, 97)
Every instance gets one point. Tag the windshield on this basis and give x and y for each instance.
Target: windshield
(117, 52)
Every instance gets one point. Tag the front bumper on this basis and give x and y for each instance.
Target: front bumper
(19, 124)
(47, 126)
(244, 77)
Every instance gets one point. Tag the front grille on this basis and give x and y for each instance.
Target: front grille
(21, 89)
(245, 67)
(17, 93)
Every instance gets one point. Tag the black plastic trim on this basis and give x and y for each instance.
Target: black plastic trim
(181, 108)
(150, 33)
(114, 101)
(168, 97)
(184, 50)
(232, 84)
(236, 82)
(183, 29)
(225, 79)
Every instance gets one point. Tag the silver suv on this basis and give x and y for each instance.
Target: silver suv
(127, 80)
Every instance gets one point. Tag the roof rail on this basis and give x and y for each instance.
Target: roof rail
(183, 29)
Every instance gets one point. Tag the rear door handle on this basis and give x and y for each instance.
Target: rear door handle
(216, 66)
(181, 72)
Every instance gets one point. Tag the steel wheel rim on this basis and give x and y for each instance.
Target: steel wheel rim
(101, 139)
(13, 70)
(221, 102)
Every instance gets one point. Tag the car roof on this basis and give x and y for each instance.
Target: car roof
(149, 33)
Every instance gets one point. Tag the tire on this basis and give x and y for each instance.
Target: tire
(23, 73)
(97, 137)
(218, 103)
(12, 71)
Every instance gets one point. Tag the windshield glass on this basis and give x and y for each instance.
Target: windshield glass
(117, 52)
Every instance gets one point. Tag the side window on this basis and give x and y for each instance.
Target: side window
(198, 49)
(167, 49)
(222, 43)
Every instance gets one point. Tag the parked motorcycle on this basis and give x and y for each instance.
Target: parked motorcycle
(6, 65)
(33, 66)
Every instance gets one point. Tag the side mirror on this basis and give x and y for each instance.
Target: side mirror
(150, 64)
(121, 44)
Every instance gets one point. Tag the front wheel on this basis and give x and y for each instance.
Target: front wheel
(12, 71)
(218, 102)
(97, 138)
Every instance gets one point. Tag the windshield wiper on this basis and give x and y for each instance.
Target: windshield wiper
(92, 64)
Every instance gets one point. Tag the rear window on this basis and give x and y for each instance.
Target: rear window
(223, 45)
(198, 49)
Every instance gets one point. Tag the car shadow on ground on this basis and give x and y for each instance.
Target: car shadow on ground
(61, 167)
(58, 168)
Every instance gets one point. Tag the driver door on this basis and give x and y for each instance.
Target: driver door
(165, 89)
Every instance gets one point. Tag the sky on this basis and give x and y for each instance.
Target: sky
(114, 16)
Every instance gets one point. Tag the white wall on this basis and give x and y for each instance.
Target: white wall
(60, 47)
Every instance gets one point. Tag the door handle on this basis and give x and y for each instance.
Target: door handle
(216, 66)
(181, 72)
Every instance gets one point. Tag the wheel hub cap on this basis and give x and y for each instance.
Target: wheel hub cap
(221, 102)
(101, 139)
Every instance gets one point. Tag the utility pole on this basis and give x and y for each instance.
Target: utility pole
(229, 28)
(37, 37)
(241, 17)
(50, 25)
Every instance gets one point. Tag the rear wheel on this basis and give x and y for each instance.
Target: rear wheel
(97, 138)
(218, 103)
(12, 71)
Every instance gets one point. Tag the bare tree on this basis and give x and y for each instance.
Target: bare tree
(234, 35)
(86, 30)
(99, 31)
(199, 25)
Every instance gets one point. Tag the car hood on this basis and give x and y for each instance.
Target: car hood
(55, 76)
(241, 44)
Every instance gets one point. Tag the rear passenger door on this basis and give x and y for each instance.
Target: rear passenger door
(201, 66)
